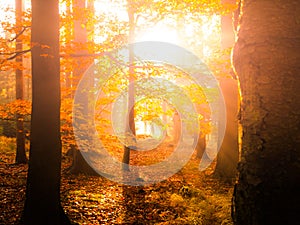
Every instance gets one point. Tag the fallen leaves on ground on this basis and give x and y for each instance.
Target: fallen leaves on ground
(188, 197)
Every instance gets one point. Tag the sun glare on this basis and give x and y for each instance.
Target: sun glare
(205, 32)
(111, 8)
(159, 33)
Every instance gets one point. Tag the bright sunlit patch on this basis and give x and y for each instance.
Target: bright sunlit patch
(189, 30)
(112, 8)
(210, 25)
(159, 33)
(8, 15)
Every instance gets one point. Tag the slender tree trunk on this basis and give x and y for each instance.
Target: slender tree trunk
(229, 152)
(79, 165)
(20, 136)
(203, 109)
(200, 147)
(176, 128)
(130, 126)
(68, 74)
(42, 204)
(164, 117)
(228, 156)
(266, 59)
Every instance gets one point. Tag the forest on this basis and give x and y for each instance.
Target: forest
(150, 112)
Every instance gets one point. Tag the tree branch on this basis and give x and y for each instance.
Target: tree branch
(15, 54)
(118, 62)
(19, 34)
(95, 55)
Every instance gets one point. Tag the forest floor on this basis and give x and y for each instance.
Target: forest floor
(188, 197)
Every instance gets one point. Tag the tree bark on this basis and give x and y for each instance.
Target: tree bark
(130, 126)
(228, 155)
(79, 164)
(20, 136)
(266, 59)
(42, 204)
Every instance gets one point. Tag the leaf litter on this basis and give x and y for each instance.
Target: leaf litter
(188, 197)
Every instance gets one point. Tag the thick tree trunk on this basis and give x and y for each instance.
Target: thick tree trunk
(20, 136)
(266, 59)
(42, 204)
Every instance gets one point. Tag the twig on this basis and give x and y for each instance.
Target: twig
(15, 54)
(19, 34)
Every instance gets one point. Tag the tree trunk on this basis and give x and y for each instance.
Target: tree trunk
(130, 126)
(42, 204)
(228, 156)
(201, 146)
(229, 152)
(266, 59)
(176, 128)
(20, 136)
(79, 164)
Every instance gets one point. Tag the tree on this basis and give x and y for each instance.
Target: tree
(229, 151)
(130, 126)
(79, 165)
(266, 59)
(20, 136)
(13, 46)
(42, 204)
